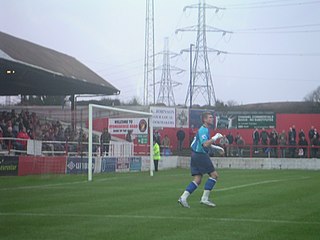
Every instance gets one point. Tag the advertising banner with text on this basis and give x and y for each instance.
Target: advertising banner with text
(163, 117)
(123, 125)
(135, 164)
(108, 164)
(9, 165)
(78, 165)
(123, 164)
(251, 121)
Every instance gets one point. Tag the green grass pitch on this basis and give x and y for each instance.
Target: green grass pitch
(251, 204)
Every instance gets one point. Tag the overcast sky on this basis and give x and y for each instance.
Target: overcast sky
(274, 52)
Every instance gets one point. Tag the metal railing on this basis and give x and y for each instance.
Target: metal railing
(9, 146)
(276, 151)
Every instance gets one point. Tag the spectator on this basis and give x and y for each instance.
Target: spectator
(294, 132)
(273, 141)
(82, 140)
(264, 136)
(283, 142)
(1, 140)
(156, 154)
(311, 133)
(237, 138)
(105, 139)
(316, 134)
(256, 140)
(314, 146)
(157, 137)
(302, 152)
(225, 144)
(292, 142)
(166, 145)
(230, 148)
(129, 136)
(8, 134)
(240, 144)
(301, 134)
(48, 138)
(180, 136)
(21, 143)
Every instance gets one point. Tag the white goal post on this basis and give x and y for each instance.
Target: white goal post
(146, 114)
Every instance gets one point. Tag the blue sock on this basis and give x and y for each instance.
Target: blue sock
(210, 184)
(191, 187)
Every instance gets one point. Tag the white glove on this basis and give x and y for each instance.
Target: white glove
(217, 136)
(218, 149)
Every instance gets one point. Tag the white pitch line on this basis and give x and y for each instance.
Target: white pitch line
(60, 184)
(247, 185)
(245, 220)
(256, 183)
(41, 186)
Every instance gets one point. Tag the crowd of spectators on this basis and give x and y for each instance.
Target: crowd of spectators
(17, 128)
(233, 145)
(291, 142)
(270, 142)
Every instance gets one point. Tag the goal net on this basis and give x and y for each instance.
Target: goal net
(119, 140)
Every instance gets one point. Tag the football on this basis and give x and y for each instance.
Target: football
(219, 151)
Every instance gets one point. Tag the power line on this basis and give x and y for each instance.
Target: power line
(121, 66)
(257, 3)
(119, 71)
(267, 78)
(267, 30)
(274, 5)
(274, 54)
(280, 27)
(276, 32)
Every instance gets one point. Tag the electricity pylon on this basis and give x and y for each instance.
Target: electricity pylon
(149, 57)
(201, 81)
(166, 94)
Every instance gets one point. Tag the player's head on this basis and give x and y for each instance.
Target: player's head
(207, 118)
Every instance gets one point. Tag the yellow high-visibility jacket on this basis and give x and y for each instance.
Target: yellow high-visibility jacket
(156, 151)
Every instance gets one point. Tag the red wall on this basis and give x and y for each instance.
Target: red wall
(304, 121)
(99, 124)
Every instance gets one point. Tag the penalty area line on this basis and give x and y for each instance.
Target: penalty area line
(153, 217)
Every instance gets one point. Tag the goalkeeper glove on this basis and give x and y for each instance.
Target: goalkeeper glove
(218, 149)
(217, 136)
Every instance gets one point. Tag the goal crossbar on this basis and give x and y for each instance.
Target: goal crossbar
(91, 107)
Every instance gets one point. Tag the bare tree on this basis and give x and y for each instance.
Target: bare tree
(314, 96)
(232, 103)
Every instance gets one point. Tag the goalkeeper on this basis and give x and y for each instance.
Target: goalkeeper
(201, 163)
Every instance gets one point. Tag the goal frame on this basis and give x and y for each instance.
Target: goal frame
(90, 112)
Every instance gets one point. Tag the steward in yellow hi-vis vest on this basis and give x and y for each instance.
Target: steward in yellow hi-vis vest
(156, 155)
